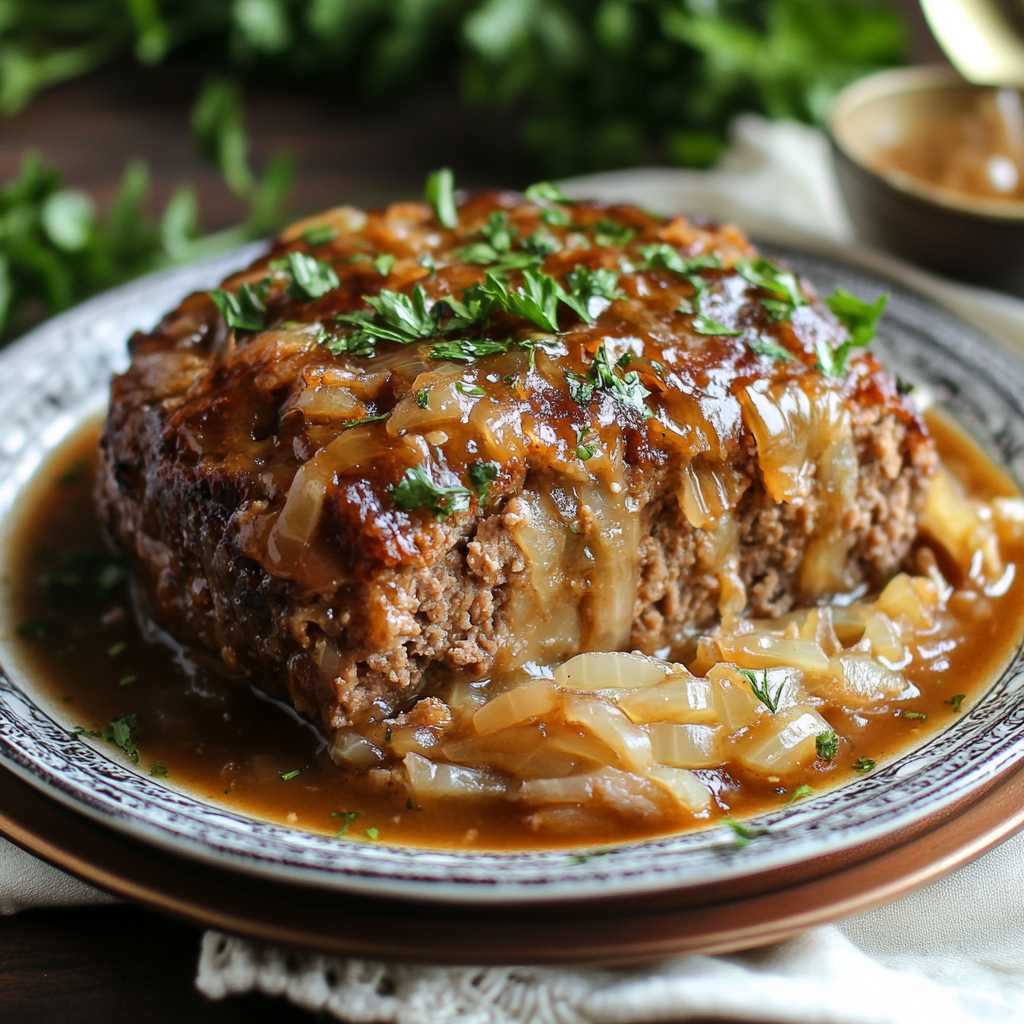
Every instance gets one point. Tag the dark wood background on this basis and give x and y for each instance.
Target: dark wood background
(80, 966)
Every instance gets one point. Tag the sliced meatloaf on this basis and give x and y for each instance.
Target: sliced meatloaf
(395, 449)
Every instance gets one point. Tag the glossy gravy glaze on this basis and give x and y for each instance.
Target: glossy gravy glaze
(76, 635)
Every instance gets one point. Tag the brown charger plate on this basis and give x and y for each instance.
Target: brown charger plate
(617, 931)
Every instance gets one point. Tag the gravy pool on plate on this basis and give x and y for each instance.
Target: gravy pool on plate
(922, 653)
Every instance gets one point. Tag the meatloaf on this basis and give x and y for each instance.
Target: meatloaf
(451, 440)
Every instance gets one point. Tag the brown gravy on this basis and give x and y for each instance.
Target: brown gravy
(224, 742)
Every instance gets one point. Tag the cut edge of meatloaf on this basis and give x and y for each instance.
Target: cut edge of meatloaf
(375, 644)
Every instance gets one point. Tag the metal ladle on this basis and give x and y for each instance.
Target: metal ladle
(984, 40)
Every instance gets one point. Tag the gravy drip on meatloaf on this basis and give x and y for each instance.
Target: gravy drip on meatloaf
(263, 483)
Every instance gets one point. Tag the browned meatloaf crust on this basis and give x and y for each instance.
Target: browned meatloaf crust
(678, 458)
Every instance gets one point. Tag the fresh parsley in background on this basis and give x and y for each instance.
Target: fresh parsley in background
(596, 84)
(56, 249)
(599, 83)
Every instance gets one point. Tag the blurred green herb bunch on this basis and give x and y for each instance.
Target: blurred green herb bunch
(600, 83)
(55, 249)
(597, 84)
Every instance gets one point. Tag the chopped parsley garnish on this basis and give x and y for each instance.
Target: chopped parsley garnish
(583, 858)
(440, 193)
(799, 793)
(467, 350)
(762, 688)
(743, 833)
(771, 349)
(321, 234)
(546, 192)
(349, 817)
(120, 731)
(584, 451)
(556, 217)
(536, 300)
(384, 263)
(541, 243)
(396, 317)
(957, 701)
(417, 490)
(244, 311)
(423, 398)
(859, 318)
(126, 680)
(593, 290)
(781, 283)
(311, 278)
(865, 764)
(827, 745)
(626, 389)
(426, 261)
(380, 417)
(608, 232)
(705, 325)
(115, 649)
(915, 715)
(481, 475)
(158, 769)
(664, 257)
(469, 389)
(288, 776)
(372, 833)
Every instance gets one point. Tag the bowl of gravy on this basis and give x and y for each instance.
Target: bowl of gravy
(931, 168)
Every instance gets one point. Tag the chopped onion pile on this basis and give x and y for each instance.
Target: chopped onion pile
(630, 735)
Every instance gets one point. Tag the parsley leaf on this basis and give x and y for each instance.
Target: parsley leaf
(865, 764)
(555, 217)
(762, 273)
(608, 232)
(244, 311)
(469, 389)
(311, 278)
(467, 350)
(423, 398)
(771, 349)
(827, 745)
(762, 688)
(584, 451)
(440, 193)
(705, 325)
(417, 490)
(957, 700)
(665, 257)
(541, 243)
(288, 776)
(593, 290)
(546, 192)
(859, 318)
(320, 234)
(626, 389)
(915, 715)
(158, 769)
(398, 318)
(348, 816)
(384, 263)
(120, 731)
(799, 793)
(372, 833)
(481, 475)
(536, 301)
(743, 832)
(366, 419)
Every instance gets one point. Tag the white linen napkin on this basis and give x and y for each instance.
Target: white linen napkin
(950, 954)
